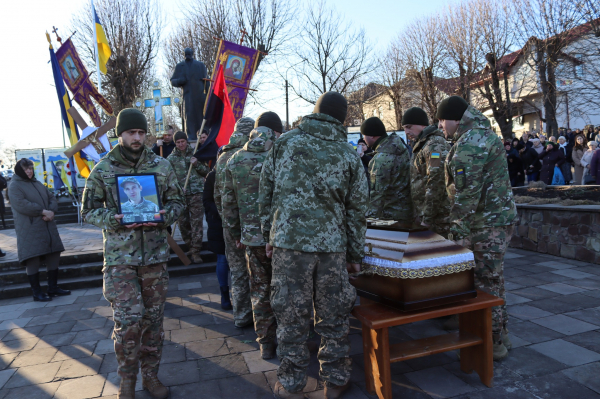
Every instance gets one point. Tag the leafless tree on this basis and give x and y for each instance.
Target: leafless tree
(419, 45)
(497, 39)
(331, 54)
(133, 29)
(547, 28)
(393, 71)
(461, 44)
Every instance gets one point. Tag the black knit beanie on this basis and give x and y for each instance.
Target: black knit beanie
(415, 116)
(373, 127)
(179, 135)
(131, 118)
(271, 120)
(452, 108)
(333, 104)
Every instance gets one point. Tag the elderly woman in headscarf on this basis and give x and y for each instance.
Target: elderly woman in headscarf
(543, 139)
(38, 241)
(550, 157)
(586, 159)
(578, 150)
(565, 168)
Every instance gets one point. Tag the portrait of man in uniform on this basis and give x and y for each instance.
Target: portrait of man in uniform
(139, 199)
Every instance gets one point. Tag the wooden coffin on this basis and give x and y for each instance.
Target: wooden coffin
(413, 268)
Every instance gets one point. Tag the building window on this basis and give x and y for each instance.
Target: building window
(579, 67)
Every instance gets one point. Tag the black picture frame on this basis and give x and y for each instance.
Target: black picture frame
(149, 194)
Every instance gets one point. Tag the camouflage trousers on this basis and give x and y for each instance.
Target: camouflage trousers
(489, 247)
(137, 296)
(191, 222)
(260, 271)
(300, 281)
(240, 281)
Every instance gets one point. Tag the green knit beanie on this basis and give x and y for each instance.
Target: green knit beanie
(131, 118)
(452, 108)
(415, 116)
(179, 135)
(373, 127)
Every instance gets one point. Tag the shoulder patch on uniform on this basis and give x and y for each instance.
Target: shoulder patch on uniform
(460, 171)
(108, 175)
(435, 155)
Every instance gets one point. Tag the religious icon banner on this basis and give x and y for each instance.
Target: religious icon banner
(239, 63)
(78, 81)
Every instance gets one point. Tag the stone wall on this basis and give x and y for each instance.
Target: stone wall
(571, 232)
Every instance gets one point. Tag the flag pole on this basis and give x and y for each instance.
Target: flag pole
(96, 47)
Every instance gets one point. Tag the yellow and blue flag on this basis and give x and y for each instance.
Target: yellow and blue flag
(104, 51)
(65, 104)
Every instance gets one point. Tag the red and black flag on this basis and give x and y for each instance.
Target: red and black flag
(219, 118)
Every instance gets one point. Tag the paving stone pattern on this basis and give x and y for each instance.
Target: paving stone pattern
(62, 349)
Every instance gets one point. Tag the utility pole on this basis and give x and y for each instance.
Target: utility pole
(287, 108)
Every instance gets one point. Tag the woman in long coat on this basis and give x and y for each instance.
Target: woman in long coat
(550, 158)
(38, 241)
(578, 150)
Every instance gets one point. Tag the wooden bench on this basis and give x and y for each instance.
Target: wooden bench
(474, 339)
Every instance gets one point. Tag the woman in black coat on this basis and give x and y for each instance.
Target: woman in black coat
(529, 159)
(38, 241)
(214, 237)
(550, 157)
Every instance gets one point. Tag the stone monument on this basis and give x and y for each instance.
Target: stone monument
(190, 75)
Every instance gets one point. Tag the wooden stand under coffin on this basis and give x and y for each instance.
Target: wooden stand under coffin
(412, 269)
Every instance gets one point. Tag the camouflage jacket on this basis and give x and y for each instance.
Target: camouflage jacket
(122, 246)
(477, 177)
(145, 210)
(427, 177)
(236, 142)
(389, 175)
(181, 165)
(313, 191)
(240, 187)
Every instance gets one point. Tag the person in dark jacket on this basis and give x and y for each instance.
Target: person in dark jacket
(590, 133)
(38, 241)
(167, 143)
(515, 166)
(595, 166)
(215, 239)
(365, 154)
(529, 160)
(3, 185)
(550, 157)
(565, 168)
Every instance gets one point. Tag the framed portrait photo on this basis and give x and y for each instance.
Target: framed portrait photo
(139, 199)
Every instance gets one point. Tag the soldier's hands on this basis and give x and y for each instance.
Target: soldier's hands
(149, 224)
(269, 250)
(425, 224)
(352, 268)
(118, 218)
(239, 245)
(193, 160)
(159, 142)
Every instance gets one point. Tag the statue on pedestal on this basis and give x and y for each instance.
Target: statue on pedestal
(190, 75)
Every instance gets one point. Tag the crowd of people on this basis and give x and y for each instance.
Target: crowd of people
(570, 158)
(287, 217)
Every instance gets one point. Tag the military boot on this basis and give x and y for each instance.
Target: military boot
(267, 351)
(335, 391)
(154, 386)
(126, 388)
(500, 351)
(281, 393)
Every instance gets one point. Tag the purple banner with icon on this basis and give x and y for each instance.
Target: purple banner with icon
(239, 63)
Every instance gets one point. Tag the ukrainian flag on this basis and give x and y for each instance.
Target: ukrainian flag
(65, 104)
(104, 51)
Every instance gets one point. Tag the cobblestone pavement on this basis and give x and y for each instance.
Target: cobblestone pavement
(62, 348)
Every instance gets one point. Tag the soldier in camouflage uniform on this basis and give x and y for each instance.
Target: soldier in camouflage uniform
(240, 214)
(483, 210)
(240, 280)
(427, 171)
(135, 255)
(191, 220)
(389, 174)
(313, 201)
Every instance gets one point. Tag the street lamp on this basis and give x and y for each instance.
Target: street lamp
(287, 103)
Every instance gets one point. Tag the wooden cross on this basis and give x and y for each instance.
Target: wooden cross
(244, 33)
(92, 138)
(55, 31)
